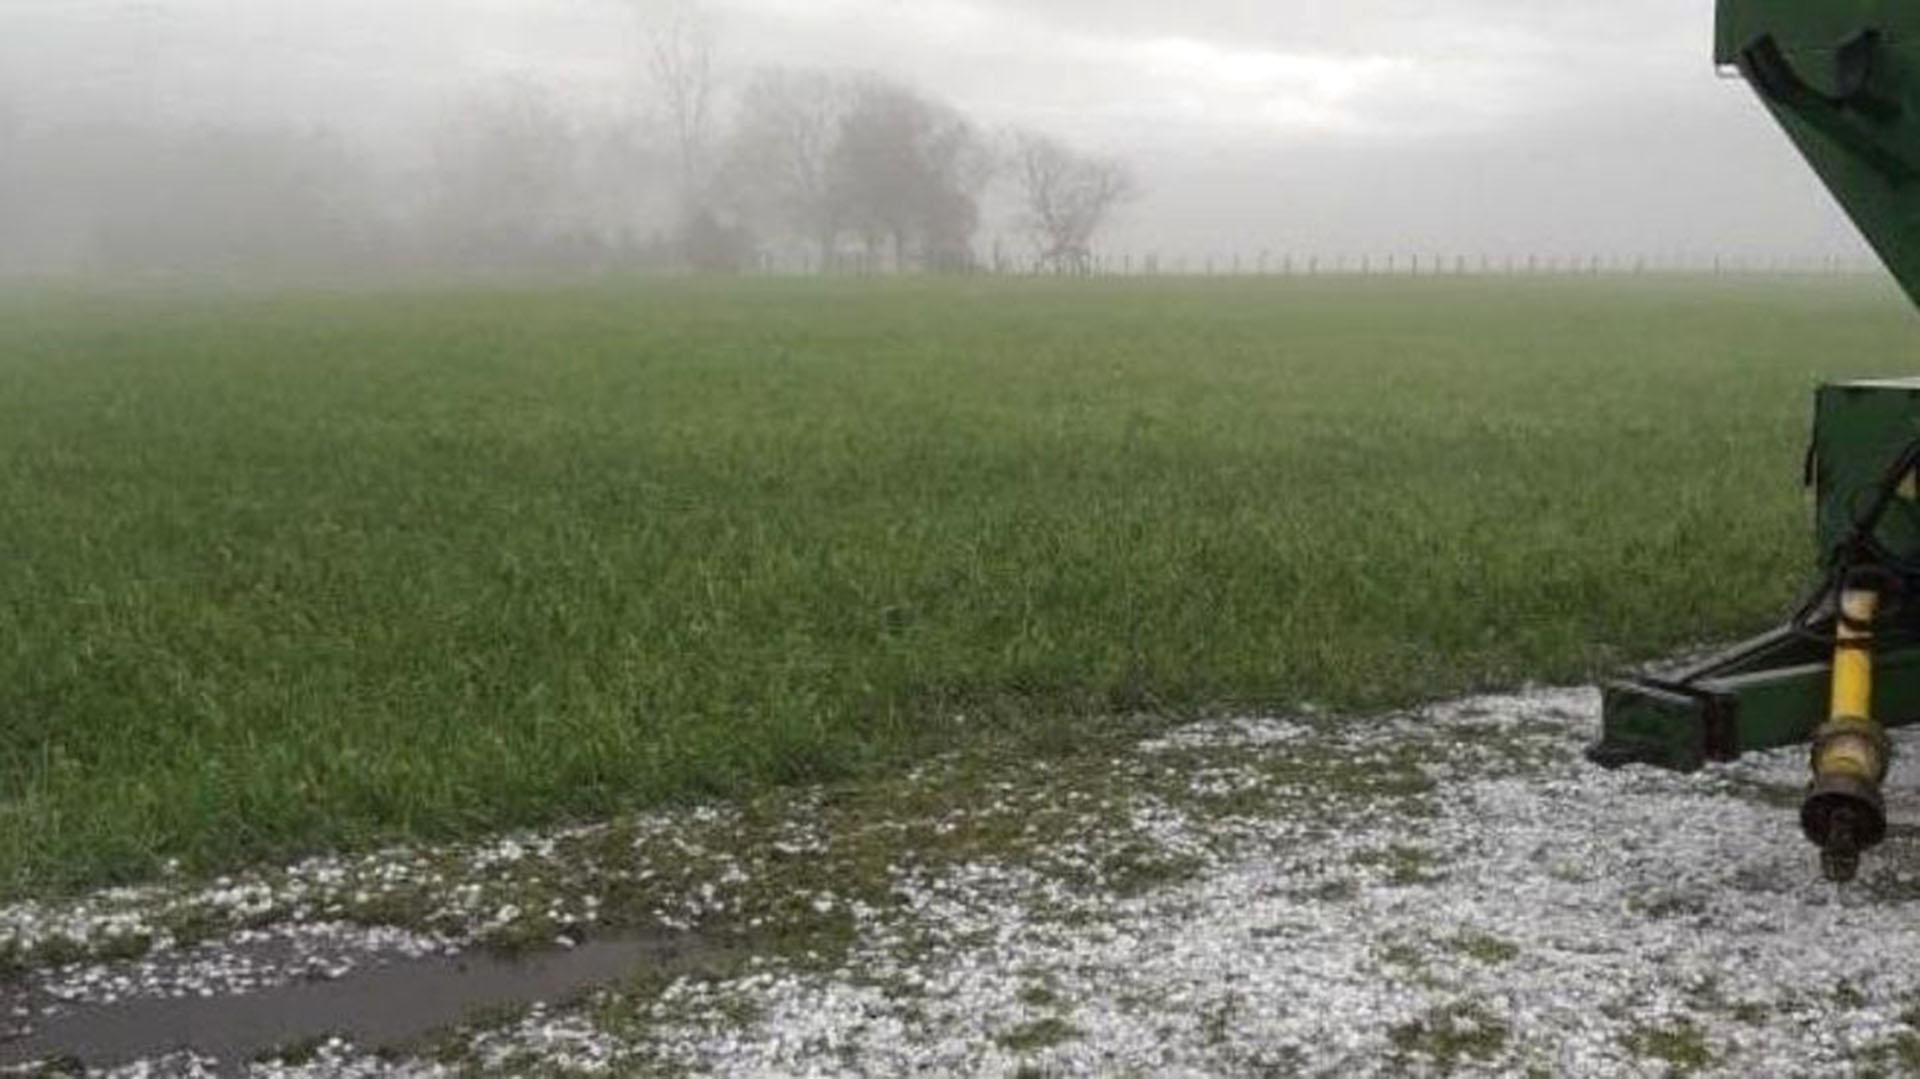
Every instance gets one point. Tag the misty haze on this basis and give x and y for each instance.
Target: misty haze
(197, 135)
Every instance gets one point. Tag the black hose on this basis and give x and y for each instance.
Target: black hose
(1861, 555)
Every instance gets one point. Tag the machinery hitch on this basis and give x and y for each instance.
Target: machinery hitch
(1844, 668)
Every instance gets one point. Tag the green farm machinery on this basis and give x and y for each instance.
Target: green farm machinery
(1843, 78)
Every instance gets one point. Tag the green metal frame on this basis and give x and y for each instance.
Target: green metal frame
(1764, 694)
(1859, 428)
(1842, 77)
(1773, 691)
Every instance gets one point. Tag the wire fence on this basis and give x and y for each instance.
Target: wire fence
(1366, 264)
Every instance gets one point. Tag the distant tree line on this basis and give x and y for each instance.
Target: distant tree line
(841, 171)
(858, 167)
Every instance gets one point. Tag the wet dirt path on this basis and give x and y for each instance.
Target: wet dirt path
(385, 1008)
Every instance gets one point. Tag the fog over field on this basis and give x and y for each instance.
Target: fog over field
(159, 134)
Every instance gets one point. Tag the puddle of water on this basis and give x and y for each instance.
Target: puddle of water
(384, 1007)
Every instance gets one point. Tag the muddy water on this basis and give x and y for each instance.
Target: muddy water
(384, 1007)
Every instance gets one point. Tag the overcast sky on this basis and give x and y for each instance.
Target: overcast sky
(1499, 126)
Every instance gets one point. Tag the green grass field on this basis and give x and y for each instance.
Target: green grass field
(293, 573)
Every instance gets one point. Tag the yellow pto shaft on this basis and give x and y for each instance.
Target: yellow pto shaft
(1844, 813)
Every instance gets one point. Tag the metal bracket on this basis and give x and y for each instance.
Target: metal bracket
(1766, 66)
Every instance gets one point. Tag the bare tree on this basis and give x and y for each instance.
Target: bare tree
(680, 50)
(1067, 196)
(907, 174)
(779, 164)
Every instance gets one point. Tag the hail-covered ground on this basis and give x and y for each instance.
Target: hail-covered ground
(1448, 892)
